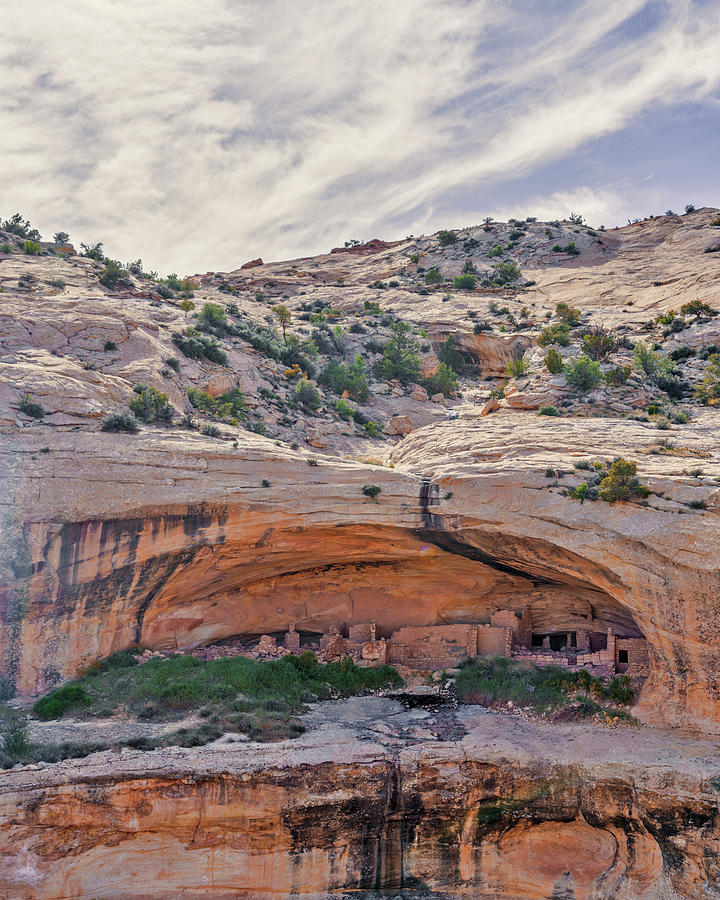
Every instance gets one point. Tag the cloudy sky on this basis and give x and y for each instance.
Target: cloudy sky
(198, 134)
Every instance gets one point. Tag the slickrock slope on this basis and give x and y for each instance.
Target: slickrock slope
(367, 800)
(247, 512)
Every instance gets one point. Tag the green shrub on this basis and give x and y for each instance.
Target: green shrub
(187, 305)
(583, 374)
(150, 405)
(15, 743)
(198, 346)
(55, 704)
(30, 408)
(569, 314)
(553, 362)
(496, 251)
(230, 405)
(210, 430)
(548, 411)
(61, 237)
(370, 308)
(696, 308)
(433, 276)
(371, 490)
(372, 429)
(213, 316)
(451, 356)
(109, 345)
(339, 377)
(445, 238)
(465, 282)
(173, 362)
(617, 376)
(708, 391)
(120, 422)
(344, 410)
(114, 275)
(399, 356)
(554, 334)
(307, 394)
(598, 343)
(21, 227)
(32, 248)
(444, 381)
(516, 367)
(681, 352)
(5, 247)
(505, 273)
(93, 251)
(621, 482)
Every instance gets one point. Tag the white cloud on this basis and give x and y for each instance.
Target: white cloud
(200, 133)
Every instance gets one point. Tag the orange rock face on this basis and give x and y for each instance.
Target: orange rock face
(328, 814)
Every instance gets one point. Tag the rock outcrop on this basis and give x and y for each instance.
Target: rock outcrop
(510, 811)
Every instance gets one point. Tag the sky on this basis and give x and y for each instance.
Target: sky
(199, 134)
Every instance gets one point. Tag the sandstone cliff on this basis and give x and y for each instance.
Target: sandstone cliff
(170, 538)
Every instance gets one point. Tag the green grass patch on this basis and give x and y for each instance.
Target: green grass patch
(493, 681)
(261, 699)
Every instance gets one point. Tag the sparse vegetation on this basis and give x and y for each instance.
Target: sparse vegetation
(198, 346)
(30, 408)
(399, 356)
(708, 391)
(584, 374)
(553, 362)
(621, 482)
(495, 681)
(150, 405)
(121, 422)
(307, 394)
(445, 238)
(517, 367)
(371, 490)
(444, 381)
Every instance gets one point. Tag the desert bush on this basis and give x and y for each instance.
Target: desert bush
(553, 361)
(516, 367)
(444, 381)
(696, 308)
(114, 275)
(150, 405)
(548, 411)
(307, 394)
(465, 282)
(371, 490)
(554, 334)
(61, 237)
(621, 482)
(451, 356)
(55, 704)
(569, 314)
(30, 408)
(681, 352)
(617, 375)
(120, 422)
(21, 227)
(210, 430)
(339, 377)
(433, 276)
(584, 374)
(598, 343)
(445, 238)
(213, 317)
(93, 251)
(709, 390)
(31, 248)
(173, 362)
(399, 356)
(344, 410)
(505, 273)
(198, 346)
(5, 247)
(109, 345)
